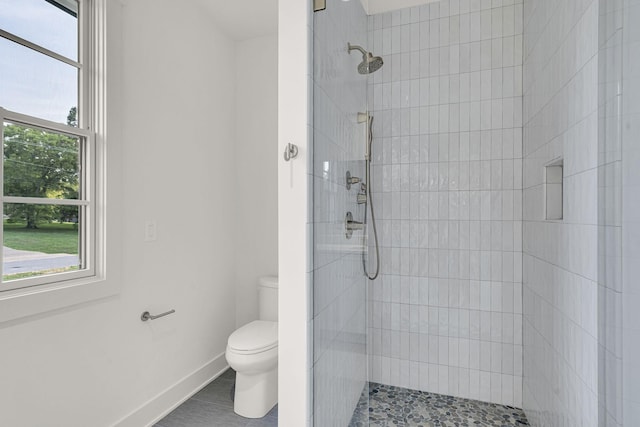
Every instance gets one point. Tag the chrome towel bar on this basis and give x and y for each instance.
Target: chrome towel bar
(148, 316)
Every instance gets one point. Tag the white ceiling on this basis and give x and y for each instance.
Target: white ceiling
(244, 19)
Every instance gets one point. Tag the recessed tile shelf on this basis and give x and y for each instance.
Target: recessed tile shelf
(553, 184)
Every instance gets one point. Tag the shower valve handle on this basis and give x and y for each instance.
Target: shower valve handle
(350, 225)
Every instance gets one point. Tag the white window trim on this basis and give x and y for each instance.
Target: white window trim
(36, 300)
(87, 225)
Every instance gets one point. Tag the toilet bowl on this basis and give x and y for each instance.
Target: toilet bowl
(252, 351)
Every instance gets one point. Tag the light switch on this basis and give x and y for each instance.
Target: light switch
(150, 231)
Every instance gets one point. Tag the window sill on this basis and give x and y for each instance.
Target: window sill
(21, 303)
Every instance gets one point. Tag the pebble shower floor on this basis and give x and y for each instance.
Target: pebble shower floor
(389, 406)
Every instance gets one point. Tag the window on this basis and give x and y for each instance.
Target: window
(48, 170)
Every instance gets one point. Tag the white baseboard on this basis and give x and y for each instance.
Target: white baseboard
(160, 405)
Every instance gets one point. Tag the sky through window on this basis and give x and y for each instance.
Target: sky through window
(30, 82)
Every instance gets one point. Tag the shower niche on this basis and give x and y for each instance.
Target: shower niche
(554, 190)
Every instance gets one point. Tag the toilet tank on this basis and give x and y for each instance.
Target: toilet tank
(268, 298)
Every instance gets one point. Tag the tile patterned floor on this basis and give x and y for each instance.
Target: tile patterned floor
(386, 406)
(391, 406)
(212, 407)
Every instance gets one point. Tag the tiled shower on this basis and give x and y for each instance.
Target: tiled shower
(446, 313)
(494, 286)
(339, 291)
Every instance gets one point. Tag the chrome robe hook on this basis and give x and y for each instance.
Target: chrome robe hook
(290, 152)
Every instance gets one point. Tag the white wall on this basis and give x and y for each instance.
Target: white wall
(373, 7)
(610, 232)
(170, 158)
(294, 226)
(256, 176)
(631, 215)
(560, 257)
(446, 311)
(178, 108)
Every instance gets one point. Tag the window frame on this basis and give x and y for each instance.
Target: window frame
(85, 201)
(58, 291)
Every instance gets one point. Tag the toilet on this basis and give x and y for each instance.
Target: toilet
(252, 351)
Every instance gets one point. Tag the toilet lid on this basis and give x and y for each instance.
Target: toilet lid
(255, 337)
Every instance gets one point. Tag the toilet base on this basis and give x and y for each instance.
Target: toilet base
(256, 394)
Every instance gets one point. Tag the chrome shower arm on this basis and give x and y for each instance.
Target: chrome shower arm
(356, 47)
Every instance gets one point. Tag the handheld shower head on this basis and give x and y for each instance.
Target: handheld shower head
(370, 64)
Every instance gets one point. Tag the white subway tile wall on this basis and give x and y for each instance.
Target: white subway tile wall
(630, 215)
(560, 278)
(339, 287)
(609, 214)
(445, 315)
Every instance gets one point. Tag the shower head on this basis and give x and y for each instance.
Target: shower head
(370, 63)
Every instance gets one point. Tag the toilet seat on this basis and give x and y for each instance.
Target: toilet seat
(255, 337)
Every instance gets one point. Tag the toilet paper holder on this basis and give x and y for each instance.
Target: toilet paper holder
(148, 316)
